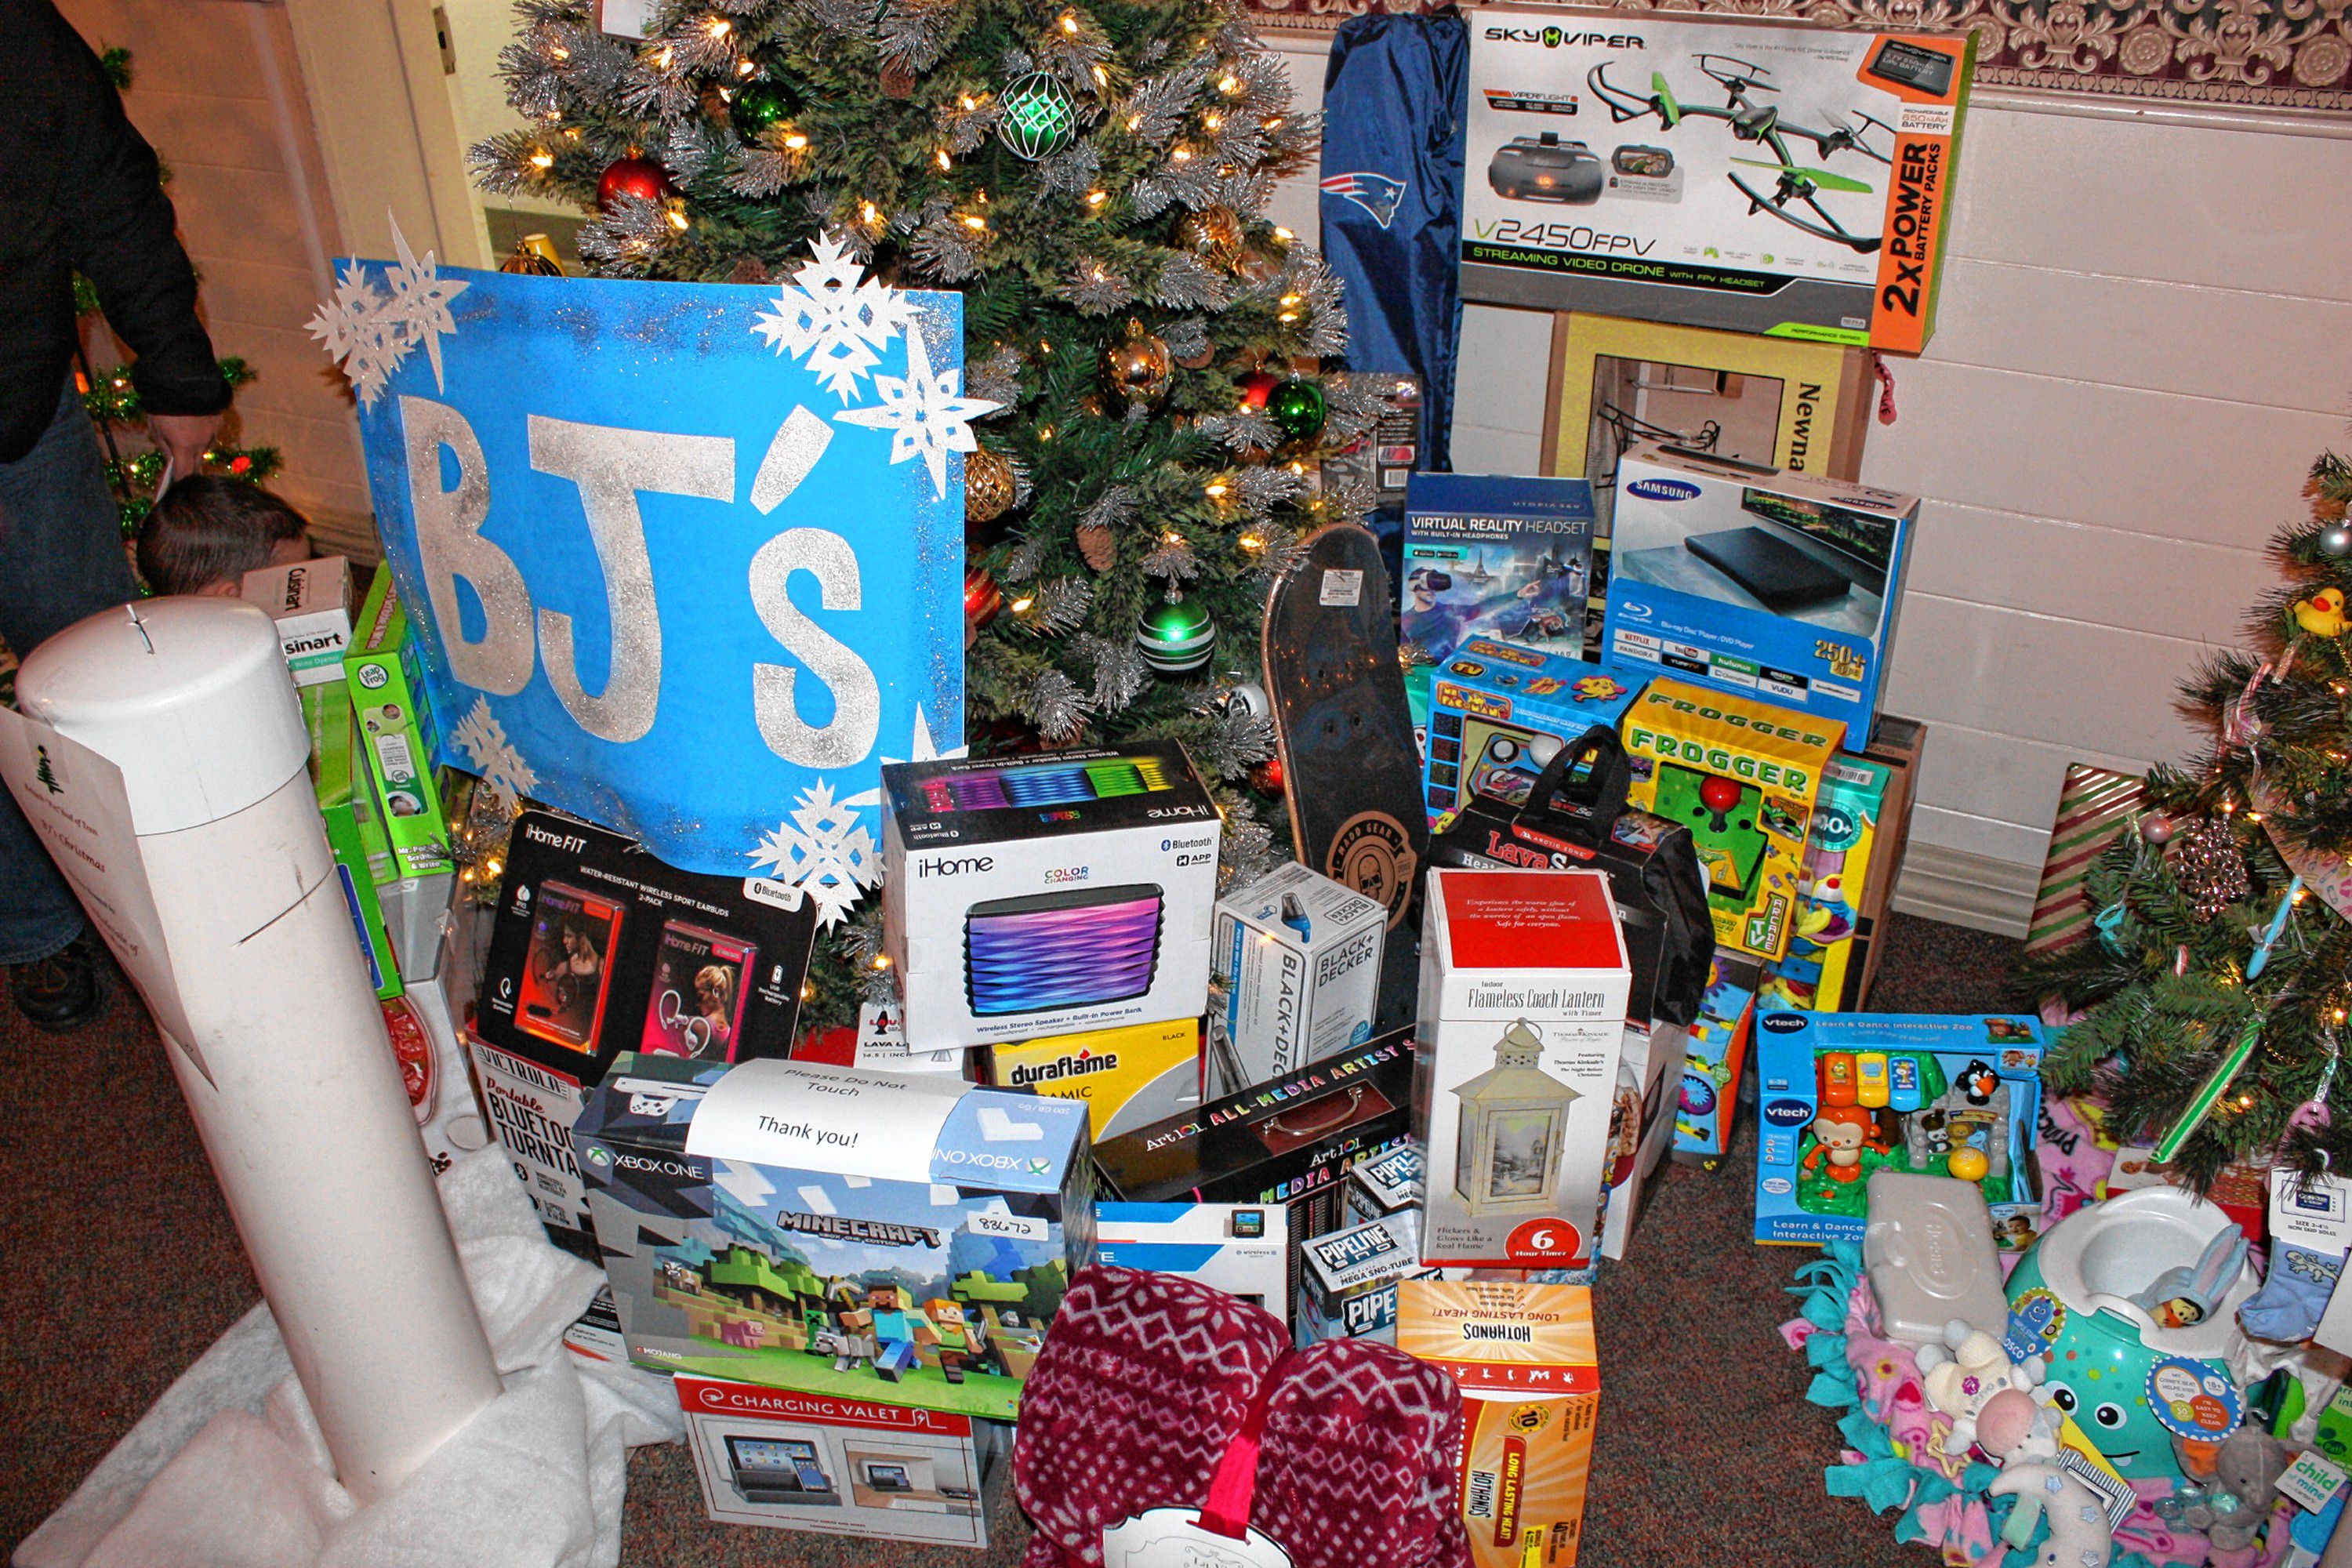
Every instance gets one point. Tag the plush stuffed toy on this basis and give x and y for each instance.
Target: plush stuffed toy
(2229, 1492)
(1968, 1368)
(2021, 1434)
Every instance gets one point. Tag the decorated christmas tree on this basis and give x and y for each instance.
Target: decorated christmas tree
(113, 406)
(2219, 970)
(1142, 456)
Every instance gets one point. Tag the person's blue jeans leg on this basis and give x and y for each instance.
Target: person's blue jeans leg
(61, 558)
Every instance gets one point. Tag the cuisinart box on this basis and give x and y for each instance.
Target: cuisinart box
(311, 603)
(1756, 176)
(887, 1236)
(841, 1466)
(1045, 895)
(1298, 958)
(1768, 585)
(1524, 987)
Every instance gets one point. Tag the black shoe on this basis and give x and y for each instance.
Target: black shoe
(65, 990)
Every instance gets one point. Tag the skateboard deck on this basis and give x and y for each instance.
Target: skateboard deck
(1351, 774)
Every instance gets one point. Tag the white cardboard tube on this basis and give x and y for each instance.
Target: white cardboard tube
(288, 1072)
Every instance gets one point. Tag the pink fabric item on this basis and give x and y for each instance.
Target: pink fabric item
(1145, 1380)
(2072, 1163)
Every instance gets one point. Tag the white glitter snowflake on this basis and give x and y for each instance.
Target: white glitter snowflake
(369, 332)
(835, 318)
(484, 741)
(925, 413)
(829, 856)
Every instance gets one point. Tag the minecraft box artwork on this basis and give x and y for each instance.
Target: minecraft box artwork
(868, 1236)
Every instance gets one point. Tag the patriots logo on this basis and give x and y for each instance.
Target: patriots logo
(1376, 194)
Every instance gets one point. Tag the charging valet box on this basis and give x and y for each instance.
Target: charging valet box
(1298, 958)
(1047, 895)
(1524, 984)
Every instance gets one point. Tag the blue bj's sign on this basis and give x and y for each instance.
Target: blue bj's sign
(683, 559)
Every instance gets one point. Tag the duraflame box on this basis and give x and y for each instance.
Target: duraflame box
(311, 603)
(1129, 1077)
(1530, 1379)
(1524, 980)
(1298, 958)
(792, 1460)
(1045, 895)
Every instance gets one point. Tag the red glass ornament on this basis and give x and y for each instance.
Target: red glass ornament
(1718, 793)
(1266, 777)
(1255, 386)
(981, 599)
(640, 177)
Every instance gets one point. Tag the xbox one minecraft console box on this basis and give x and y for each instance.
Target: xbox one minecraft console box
(1780, 586)
(885, 1236)
(1047, 895)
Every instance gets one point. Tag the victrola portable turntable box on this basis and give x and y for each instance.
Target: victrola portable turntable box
(1524, 979)
(1047, 895)
(900, 1237)
(600, 949)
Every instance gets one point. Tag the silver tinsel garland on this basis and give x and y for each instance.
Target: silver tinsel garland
(1056, 706)
(1173, 559)
(1094, 289)
(1060, 606)
(1120, 672)
(1186, 283)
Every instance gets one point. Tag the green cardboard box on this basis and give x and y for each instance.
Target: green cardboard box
(386, 684)
(344, 802)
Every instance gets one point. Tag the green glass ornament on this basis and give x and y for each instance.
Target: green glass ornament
(1039, 116)
(759, 106)
(1297, 409)
(1176, 638)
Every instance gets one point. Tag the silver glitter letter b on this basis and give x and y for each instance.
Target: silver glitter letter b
(450, 544)
(611, 467)
(856, 698)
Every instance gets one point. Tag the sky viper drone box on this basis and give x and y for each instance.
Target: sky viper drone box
(1047, 895)
(870, 1235)
(1756, 177)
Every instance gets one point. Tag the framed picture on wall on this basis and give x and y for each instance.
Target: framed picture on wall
(1778, 402)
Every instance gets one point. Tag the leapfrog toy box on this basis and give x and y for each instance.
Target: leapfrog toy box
(1742, 775)
(905, 1239)
(1764, 584)
(1771, 177)
(1842, 1096)
(1495, 707)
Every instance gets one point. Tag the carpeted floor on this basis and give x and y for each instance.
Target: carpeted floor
(122, 1268)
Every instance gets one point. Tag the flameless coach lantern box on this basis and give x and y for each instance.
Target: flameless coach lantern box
(161, 756)
(1524, 984)
(905, 1239)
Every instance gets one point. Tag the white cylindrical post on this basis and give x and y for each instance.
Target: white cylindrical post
(285, 1065)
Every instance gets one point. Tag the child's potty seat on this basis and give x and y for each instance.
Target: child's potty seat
(2104, 1345)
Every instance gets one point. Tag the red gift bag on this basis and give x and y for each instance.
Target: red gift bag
(1153, 1392)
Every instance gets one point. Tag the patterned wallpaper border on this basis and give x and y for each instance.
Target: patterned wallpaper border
(2278, 54)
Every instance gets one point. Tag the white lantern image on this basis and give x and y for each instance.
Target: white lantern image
(1514, 1122)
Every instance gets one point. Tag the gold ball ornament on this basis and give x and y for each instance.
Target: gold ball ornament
(533, 254)
(988, 487)
(1213, 233)
(1138, 367)
(1256, 267)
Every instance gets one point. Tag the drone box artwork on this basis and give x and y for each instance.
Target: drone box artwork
(869, 1236)
(1495, 555)
(1743, 777)
(1770, 584)
(1524, 982)
(1758, 177)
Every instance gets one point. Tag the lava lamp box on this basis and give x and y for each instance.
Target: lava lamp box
(1298, 965)
(1775, 177)
(386, 681)
(1529, 1372)
(1287, 1143)
(1127, 1076)
(1524, 981)
(311, 603)
(1843, 1096)
(599, 949)
(1828, 946)
(1047, 895)
(1754, 581)
(1243, 1249)
(1496, 555)
(1743, 776)
(886, 1236)
(1497, 710)
(842, 1466)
